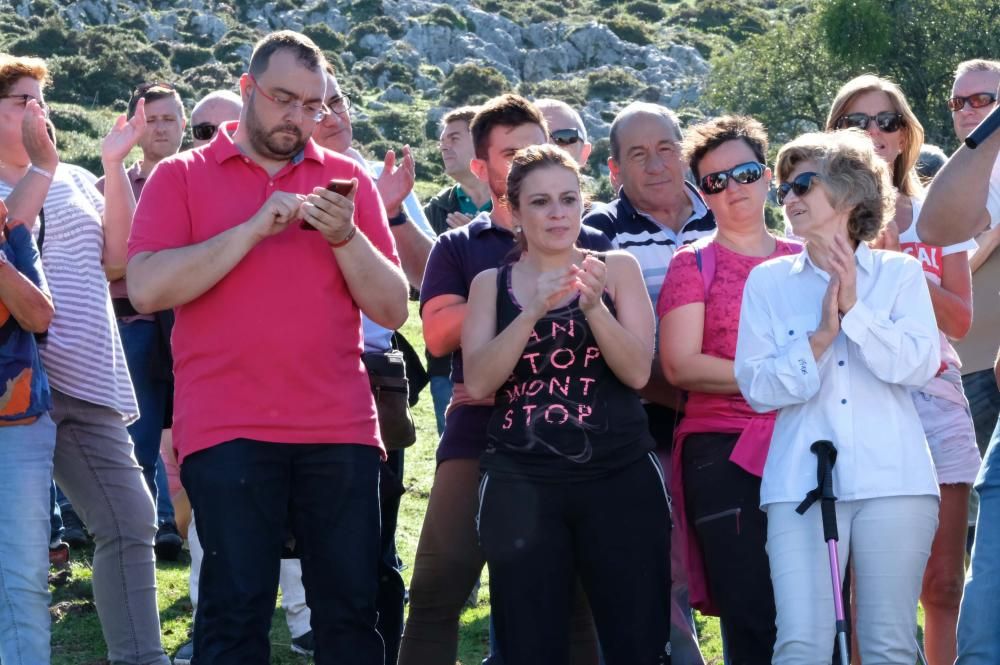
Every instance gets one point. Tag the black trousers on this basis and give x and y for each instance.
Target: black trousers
(611, 533)
(247, 494)
(722, 502)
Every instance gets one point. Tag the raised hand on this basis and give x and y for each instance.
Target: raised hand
(124, 135)
(829, 323)
(552, 287)
(844, 267)
(395, 183)
(277, 212)
(40, 148)
(590, 281)
(330, 213)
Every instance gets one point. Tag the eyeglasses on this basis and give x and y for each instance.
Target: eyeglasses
(800, 185)
(976, 100)
(314, 111)
(744, 173)
(25, 99)
(204, 131)
(566, 136)
(887, 121)
(339, 105)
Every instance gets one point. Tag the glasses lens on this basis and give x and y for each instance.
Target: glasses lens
(801, 185)
(888, 121)
(851, 120)
(565, 136)
(957, 103)
(203, 131)
(713, 183)
(747, 173)
(981, 99)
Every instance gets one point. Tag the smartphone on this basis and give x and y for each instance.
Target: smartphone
(342, 187)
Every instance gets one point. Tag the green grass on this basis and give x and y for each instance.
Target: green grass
(76, 631)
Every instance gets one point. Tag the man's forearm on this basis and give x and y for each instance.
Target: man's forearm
(414, 246)
(377, 286)
(119, 206)
(953, 209)
(171, 277)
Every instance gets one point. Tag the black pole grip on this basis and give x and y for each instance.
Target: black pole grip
(826, 457)
(829, 512)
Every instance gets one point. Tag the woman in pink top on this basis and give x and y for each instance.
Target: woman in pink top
(720, 446)
(879, 107)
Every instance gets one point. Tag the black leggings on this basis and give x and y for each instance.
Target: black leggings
(722, 502)
(613, 533)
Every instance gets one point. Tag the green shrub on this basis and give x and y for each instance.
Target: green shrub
(53, 37)
(598, 159)
(366, 131)
(571, 91)
(395, 72)
(448, 17)
(646, 10)
(187, 56)
(364, 10)
(325, 37)
(383, 26)
(630, 29)
(72, 119)
(400, 126)
(207, 77)
(555, 8)
(612, 83)
(734, 19)
(469, 81)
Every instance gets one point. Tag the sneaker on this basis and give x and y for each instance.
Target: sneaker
(304, 644)
(184, 654)
(168, 542)
(74, 532)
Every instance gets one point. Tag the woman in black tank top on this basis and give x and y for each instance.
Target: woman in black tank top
(570, 487)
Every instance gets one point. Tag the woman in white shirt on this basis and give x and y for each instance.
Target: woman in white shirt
(879, 107)
(834, 339)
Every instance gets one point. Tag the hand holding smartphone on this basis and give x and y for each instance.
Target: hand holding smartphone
(342, 187)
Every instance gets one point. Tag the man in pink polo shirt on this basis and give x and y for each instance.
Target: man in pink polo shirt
(274, 422)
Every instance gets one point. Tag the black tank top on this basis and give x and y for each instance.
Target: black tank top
(562, 414)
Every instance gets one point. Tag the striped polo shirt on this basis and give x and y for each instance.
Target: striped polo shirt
(82, 352)
(651, 243)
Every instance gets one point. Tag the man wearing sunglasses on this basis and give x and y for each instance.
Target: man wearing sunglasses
(214, 109)
(274, 422)
(566, 129)
(145, 337)
(656, 212)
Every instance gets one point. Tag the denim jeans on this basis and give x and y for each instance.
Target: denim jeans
(141, 341)
(248, 496)
(441, 389)
(25, 486)
(984, 403)
(978, 638)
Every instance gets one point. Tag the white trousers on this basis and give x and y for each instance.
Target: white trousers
(889, 541)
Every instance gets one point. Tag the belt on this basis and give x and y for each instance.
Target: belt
(123, 308)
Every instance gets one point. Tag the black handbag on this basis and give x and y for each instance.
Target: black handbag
(390, 388)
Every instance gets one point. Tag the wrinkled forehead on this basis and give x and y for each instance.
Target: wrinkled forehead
(973, 82)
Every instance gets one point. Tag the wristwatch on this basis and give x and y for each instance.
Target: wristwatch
(399, 219)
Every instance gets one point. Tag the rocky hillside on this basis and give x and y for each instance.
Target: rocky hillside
(404, 61)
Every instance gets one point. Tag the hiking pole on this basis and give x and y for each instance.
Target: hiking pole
(826, 457)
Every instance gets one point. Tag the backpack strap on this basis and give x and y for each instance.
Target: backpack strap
(704, 256)
(41, 229)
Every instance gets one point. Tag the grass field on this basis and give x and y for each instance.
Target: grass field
(77, 640)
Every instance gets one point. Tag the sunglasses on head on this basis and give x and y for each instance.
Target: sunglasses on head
(204, 131)
(566, 136)
(800, 185)
(976, 100)
(886, 121)
(744, 173)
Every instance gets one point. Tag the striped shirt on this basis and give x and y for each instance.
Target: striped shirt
(82, 352)
(650, 242)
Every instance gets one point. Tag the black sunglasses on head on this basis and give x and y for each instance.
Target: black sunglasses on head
(886, 121)
(744, 173)
(800, 185)
(566, 136)
(204, 131)
(976, 100)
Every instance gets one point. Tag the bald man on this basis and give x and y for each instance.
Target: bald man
(214, 109)
(566, 129)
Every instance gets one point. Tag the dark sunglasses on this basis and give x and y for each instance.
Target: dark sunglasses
(744, 173)
(887, 121)
(976, 100)
(566, 136)
(800, 184)
(204, 131)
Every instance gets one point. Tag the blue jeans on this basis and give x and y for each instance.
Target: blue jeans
(141, 340)
(984, 403)
(248, 497)
(441, 389)
(978, 638)
(25, 484)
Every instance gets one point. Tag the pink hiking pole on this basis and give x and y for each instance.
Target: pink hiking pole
(826, 456)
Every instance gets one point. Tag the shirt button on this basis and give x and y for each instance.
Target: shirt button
(843, 401)
(270, 184)
(246, 160)
(791, 332)
(841, 363)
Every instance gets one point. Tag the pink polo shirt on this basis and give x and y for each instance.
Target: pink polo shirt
(273, 351)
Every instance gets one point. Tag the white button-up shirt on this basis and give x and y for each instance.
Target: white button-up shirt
(857, 394)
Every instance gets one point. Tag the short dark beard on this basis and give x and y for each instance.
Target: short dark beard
(262, 140)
